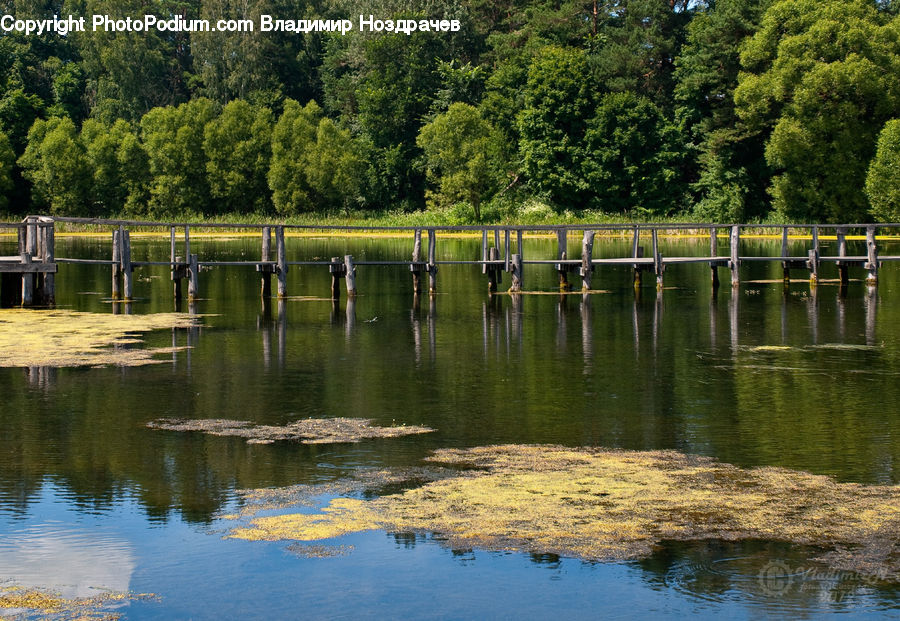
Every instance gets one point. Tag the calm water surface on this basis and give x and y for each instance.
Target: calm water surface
(90, 499)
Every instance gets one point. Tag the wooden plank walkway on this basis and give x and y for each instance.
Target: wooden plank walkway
(37, 262)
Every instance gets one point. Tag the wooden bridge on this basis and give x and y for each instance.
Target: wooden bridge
(28, 277)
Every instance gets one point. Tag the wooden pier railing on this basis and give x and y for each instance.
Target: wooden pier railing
(32, 270)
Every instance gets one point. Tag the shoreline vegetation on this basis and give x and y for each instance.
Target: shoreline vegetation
(382, 221)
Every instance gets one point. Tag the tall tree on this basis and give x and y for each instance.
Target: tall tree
(823, 77)
(263, 67)
(633, 158)
(55, 162)
(462, 157)
(128, 73)
(638, 41)
(119, 166)
(728, 165)
(173, 138)
(7, 161)
(883, 179)
(315, 165)
(238, 147)
(558, 102)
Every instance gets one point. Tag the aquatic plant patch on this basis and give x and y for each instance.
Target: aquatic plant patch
(29, 603)
(597, 504)
(306, 431)
(64, 338)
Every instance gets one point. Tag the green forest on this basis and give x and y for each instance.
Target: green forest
(716, 110)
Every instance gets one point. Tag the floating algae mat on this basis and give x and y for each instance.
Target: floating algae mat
(29, 603)
(597, 504)
(62, 338)
(307, 431)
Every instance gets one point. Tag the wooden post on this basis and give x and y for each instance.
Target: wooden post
(587, 258)
(562, 269)
(125, 248)
(506, 254)
(178, 276)
(29, 254)
(813, 261)
(785, 264)
(657, 261)
(49, 256)
(493, 270)
(350, 275)
(27, 281)
(872, 256)
(842, 252)
(516, 275)
(813, 264)
(432, 265)
(281, 256)
(417, 258)
(337, 272)
(713, 253)
(116, 263)
(193, 278)
(735, 262)
(638, 269)
(484, 250)
(265, 274)
(519, 243)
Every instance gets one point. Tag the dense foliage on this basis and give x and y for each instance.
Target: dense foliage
(723, 110)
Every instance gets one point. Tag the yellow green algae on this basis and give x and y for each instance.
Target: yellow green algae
(306, 431)
(64, 338)
(31, 603)
(598, 504)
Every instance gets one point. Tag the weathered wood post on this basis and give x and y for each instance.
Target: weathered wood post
(517, 265)
(515, 285)
(493, 270)
(871, 256)
(125, 249)
(506, 251)
(842, 252)
(337, 270)
(587, 260)
(281, 257)
(734, 263)
(713, 253)
(27, 281)
(432, 264)
(48, 256)
(637, 252)
(785, 264)
(116, 263)
(350, 276)
(193, 278)
(658, 266)
(813, 261)
(28, 252)
(562, 269)
(414, 267)
(484, 251)
(265, 273)
(174, 260)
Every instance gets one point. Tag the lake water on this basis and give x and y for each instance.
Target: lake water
(90, 499)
